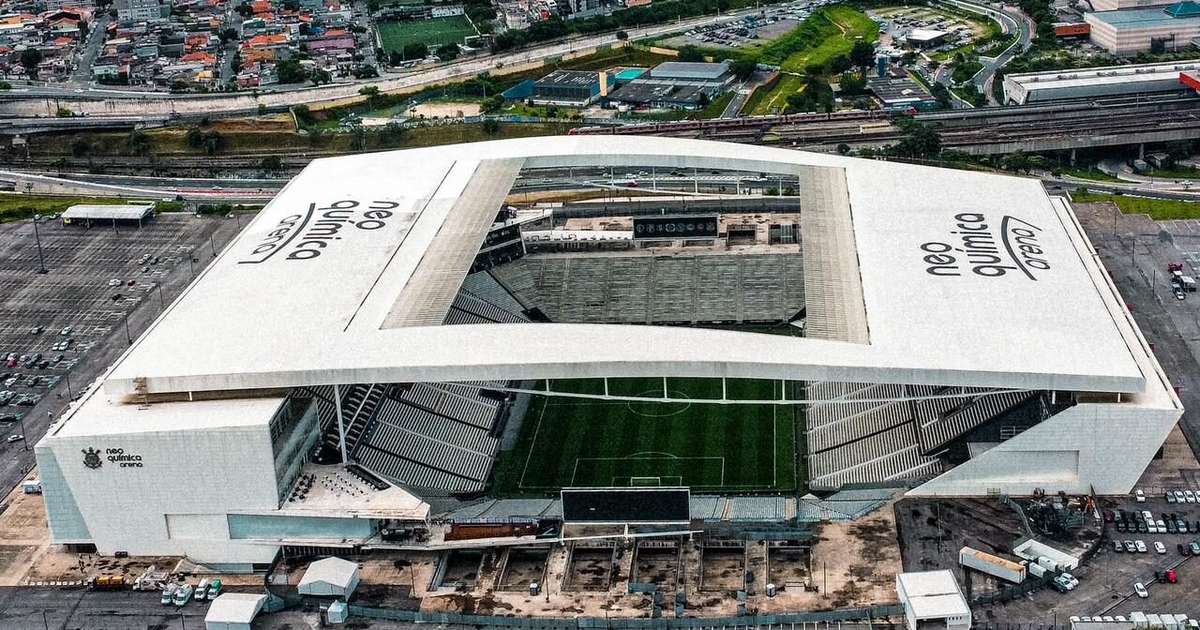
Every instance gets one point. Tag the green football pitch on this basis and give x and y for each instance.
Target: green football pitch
(577, 442)
(433, 32)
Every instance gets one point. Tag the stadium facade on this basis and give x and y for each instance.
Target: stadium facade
(360, 346)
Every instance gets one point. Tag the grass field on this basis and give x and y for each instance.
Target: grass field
(15, 206)
(586, 442)
(433, 32)
(827, 33)
(1158, 209)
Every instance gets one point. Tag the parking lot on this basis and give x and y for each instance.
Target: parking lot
(752, 30)
(60, 329)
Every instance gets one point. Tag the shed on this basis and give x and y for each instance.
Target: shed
(331, 577)
(126, 213)
(933, 599)
(234, 611)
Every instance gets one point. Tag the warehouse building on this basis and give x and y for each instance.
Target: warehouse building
(925, 38)
(1057, 85)
(932, 599)
(1118, 5)
(574, 88)
(675, 85)
(357, 367)
(1132, 31)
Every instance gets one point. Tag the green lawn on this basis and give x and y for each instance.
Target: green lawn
(827, 33)
(1091, 173)
(433, 32)
(706, 446)
(1158, 209)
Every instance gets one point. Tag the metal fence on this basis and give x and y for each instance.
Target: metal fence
(874, 616)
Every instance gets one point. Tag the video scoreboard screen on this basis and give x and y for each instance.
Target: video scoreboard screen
(675, 227)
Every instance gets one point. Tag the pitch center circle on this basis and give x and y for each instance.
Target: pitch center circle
(658, 409)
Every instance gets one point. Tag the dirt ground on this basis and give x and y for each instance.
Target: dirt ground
(855, 564)
(724, 569)
(445, 110)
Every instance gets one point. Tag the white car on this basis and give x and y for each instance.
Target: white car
(1141, 546)
(16, 438)
(1140, 589)
(1149, 518)
(1139, 495)
(1071, 579)
(1159, 547)
(114, 283)
(1180, 497)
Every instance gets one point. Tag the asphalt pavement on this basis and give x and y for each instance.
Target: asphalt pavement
(73, 292)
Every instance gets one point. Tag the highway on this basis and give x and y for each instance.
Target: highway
(45, 100)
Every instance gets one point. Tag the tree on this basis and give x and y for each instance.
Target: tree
(30, 58)
(941, 93)
(80, 147)
(622, 36)
(289, 71)
(690, 53)
(415, 50)
(319, 76)
(213, 142)
(492, 104)
(447, 52)
(919, 141)
(194, 138)
(491, 127)
(843, 149)
(703, 100)
(743, 68)
(228, 35)
(862, 54)
(839, 64)
(138, 143)
(271, 163)
(853, 83)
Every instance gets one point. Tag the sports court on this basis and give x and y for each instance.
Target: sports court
(432, 32)
(701, 444)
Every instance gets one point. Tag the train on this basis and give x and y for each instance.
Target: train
(747, 122)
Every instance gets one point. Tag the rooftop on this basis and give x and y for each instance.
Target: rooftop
(1059, 79)
(575, 78)
(690, 70)
(119, 212)
(933, 594)
(1143, 18)
(347, 274)
(235, 608)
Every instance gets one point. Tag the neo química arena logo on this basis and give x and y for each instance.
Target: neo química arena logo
(987, 249)
(307, 235)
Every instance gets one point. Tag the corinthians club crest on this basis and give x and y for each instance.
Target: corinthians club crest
(91, 458)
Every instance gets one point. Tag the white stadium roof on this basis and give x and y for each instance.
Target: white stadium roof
(346, 274)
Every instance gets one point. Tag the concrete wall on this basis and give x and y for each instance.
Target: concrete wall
(1101, 446)
(175, 502)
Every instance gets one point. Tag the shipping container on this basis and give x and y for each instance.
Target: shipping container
(991, 565)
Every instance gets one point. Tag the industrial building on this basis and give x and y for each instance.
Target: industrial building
(1132, 31)
(675, 85)
(347, 361)
(925, 38)
(568, 87)
(1056, 85)
(932, 599)
(1117, 5)
(901, 93)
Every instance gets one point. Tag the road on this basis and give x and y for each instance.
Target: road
(44, 100)
(82, 74)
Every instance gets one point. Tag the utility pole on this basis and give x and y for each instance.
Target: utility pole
(38, 239)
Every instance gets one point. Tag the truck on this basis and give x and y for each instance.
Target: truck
(32, 486)
(201, 590)
(991, 565)
(1047, 563)
(1175, 268)
(1035, 569)
(214, 589)
(1188, 283)
(108, 582)
(183, 595)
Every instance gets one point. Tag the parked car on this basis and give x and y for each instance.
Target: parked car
(1195, 548)
(1180, 497)
(168, 594)
(1140, 589)
(1130, 547)
(1183, 551)
(1141, 546)
(1189, 496)
(1159, 547)
(1118, 548)
(16, 437)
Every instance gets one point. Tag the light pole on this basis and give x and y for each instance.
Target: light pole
(24, 440)
(37, 237)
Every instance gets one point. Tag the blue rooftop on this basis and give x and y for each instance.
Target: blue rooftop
(1150, 16)
(1183, 9)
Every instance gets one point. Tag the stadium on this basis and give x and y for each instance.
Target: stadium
(406, 342)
